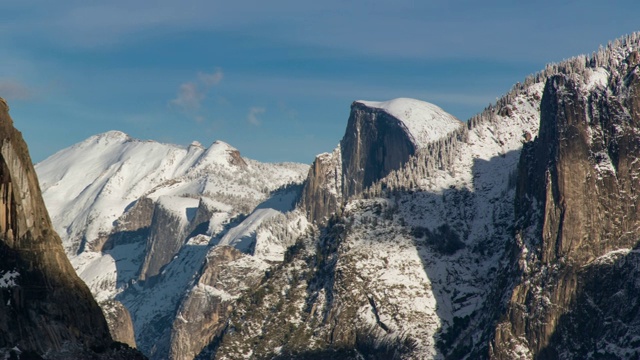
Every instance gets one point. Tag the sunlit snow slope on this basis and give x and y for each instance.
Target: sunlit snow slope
(425, 122)
(130, 210)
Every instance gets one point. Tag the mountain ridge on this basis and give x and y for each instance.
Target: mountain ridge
(139, 209)
(398, 248)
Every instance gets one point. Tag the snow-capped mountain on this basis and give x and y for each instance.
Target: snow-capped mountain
(88, 186)
(422, 231)
(506, 238)
(130, 211)
(417, 237)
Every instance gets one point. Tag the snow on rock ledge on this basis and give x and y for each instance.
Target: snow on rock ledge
(382, 137)
(425, 122)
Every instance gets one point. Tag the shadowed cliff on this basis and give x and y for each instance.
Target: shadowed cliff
(44, 306)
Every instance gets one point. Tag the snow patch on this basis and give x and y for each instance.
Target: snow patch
(182, 207)
(212, 291)
(603, 163)
(88, 186)
(598, 77)
(218, 153)
(242, 236)
(8, 279)
(612, 256)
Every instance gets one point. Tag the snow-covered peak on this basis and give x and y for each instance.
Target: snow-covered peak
(220, 153)
(88, 186)
(111, 136)
(220, 147)
(424, 121)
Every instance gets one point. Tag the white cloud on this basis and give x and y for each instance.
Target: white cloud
(189, 97)
(192, 93)
(212, 79)
(254, 112)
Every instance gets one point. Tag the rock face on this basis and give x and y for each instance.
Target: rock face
(373, 145)
(132, 226)
(380, 137)
(165, 239)
(204, 313)
(577, 221)
(431, 240)
(483, 245)
(199, 224)
(322, 193)
(120, 323)
(405, 271)
(141, 218)
(44, 306)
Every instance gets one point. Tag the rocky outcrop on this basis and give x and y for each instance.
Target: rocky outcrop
(576, 203)
(374, 144)
(167, 235)
(204, 313)
(446, 265)
(380, 138)
(200, 222)
(436, 156)
(132, 226)
(44, 306)
(236, 159)
(120, 323)
(513, 287)
(601, 321)
(322, 193)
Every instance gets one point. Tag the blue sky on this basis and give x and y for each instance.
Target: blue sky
(273, 78)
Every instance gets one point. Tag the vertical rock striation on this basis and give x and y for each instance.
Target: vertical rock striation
(132, 226)
(577, 203)
(44, 306)
(374, 144)
(120, 322)
(322, 192)
(380, 138)
(167, 235)
(204, 313)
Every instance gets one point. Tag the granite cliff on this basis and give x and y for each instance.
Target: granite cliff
(380, 137)
(45, 309)
(577, 223)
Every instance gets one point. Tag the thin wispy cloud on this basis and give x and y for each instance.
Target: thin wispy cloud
(191, 94)
(254, 113)
(314, 57)
(14, 90)
(413, 29)
(290, 113)
(189, 97)
(211, 79)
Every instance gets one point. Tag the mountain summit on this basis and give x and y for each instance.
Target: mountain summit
(139, 218)
(424, 122)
